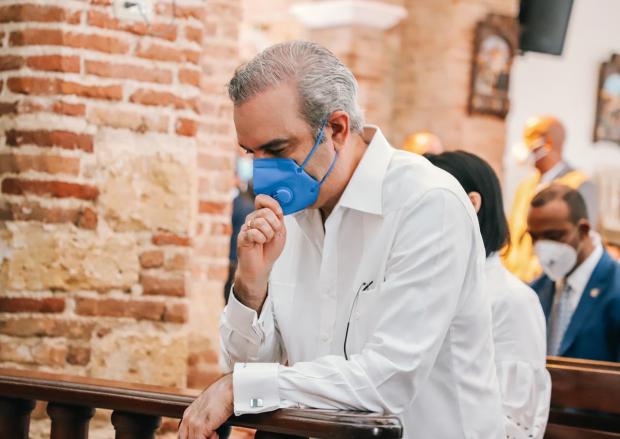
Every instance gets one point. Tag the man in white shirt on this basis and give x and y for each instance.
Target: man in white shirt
(361, 288)
(580, 290)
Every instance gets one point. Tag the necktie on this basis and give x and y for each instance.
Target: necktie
(560, 321)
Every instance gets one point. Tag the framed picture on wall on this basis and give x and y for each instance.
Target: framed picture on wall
(607, 124)
(496, 42)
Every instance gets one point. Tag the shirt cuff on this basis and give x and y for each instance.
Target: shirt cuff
(255, 388)
(245, 321)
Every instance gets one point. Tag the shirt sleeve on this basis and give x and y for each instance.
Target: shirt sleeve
(425, 279)
(246, 337)
(526, 392)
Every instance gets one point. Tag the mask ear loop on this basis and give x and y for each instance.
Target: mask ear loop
(329, 170)
(318, 141)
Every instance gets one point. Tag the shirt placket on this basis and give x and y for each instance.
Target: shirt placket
(327, 283)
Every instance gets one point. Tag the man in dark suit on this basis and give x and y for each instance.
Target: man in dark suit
(580, 288)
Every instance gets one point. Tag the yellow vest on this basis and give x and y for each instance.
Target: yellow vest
(519, 257)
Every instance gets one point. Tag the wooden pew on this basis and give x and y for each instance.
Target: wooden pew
(585, 399)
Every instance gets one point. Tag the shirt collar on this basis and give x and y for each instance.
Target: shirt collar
(553, 173)
(364, 191)
(579, 278)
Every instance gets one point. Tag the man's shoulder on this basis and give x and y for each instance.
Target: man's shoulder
(411, 177)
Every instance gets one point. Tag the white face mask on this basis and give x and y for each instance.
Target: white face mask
(556, 258)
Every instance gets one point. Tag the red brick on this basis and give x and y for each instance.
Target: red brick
(61, 139)
(33, 211)
(192, 56)
(165, 238)
(9, 108)
(189, 76)
(69, 109)
(163, 99)
(129, 119)
(152, 259)
(186, 127)
(177, 262)
(100, 43)
(212, 207)
(27, 304)
(78, 355)
(47, 327)
(141, 310)
(11, 62)
(28, 37)
(128, 71)
(193, 34)
(176, 313)
(54, 63)
(53, 86)
(38, 13)
(183, 12)
(56, 189)
(51, 164)
(56, 37)
(159, 52)
(106, 21)
(87, 219)
(154, 285)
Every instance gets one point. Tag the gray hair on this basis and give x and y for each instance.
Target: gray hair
(324, 83)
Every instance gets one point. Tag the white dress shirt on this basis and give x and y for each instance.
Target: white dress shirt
(519, 334)
(419, 343)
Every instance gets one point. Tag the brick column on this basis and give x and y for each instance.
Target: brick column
(363, 35)
(116, 152)
(434, 73)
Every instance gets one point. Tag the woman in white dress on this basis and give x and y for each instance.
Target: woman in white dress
(519, 331)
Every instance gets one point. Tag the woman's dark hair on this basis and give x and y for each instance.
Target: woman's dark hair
(476, 175)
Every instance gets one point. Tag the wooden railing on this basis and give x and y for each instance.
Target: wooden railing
(137, 410)
(585, 399)
(585, 404)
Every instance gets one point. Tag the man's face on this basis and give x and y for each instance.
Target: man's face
(552, 222)
(270, 125)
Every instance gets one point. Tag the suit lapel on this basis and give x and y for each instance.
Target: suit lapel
(593, 293)
(546, 296)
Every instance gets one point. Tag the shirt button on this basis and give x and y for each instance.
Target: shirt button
(325, 337)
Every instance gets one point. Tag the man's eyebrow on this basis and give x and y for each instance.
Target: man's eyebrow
(271, 144)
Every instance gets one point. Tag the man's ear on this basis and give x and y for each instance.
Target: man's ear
(584, 227)
(340, 129)
(476, 200)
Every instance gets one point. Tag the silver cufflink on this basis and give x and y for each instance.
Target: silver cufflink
(256, 403)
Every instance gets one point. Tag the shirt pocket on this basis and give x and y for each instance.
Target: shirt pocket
(365, 318)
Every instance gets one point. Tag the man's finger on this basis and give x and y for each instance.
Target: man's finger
(264, 226)
(268, 215)
(262, 201)
(251, 237)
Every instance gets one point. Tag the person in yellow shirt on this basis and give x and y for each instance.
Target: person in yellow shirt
(543, 137)
(423, 142)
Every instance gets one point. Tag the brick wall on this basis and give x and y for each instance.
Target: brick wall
(116, 158)
(433, 74)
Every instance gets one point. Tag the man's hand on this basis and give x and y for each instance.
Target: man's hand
(209, 411)
(260, 242)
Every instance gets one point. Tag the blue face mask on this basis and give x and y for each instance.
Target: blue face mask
(287, 182)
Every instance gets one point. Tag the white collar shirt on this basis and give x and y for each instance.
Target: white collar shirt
(553, 173)
(519, 334)
(419, 341)
(580, 277)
